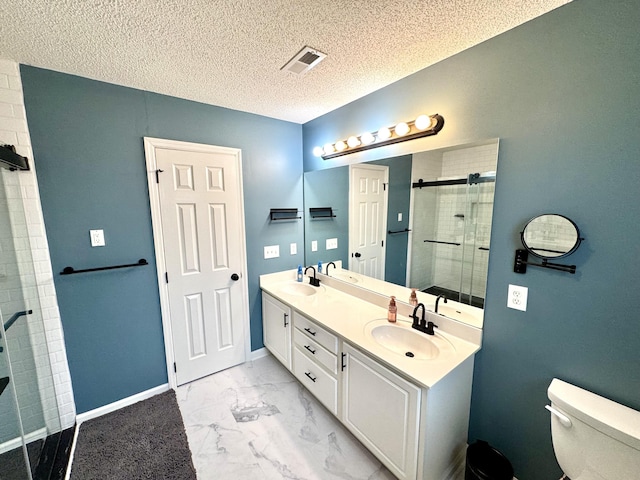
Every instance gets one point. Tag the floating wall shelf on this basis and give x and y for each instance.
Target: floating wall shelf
(321, 212)
(278, 214)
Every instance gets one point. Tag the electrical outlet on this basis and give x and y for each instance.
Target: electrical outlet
(332, 243)
(517, 297)
(272, 251)
(293, 248)
(314, 245)
(97, 238)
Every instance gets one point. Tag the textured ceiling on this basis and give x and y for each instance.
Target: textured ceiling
(229, 52)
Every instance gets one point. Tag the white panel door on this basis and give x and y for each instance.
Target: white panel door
(368, 219)
(200, 198)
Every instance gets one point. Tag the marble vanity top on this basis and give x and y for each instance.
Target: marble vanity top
(348, 312)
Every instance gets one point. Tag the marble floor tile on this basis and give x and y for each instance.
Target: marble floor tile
(256, 421)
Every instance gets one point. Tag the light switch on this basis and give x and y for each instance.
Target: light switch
(400, 216)
(97, 238)
(272, 251)
(517, 297)
(331, 243)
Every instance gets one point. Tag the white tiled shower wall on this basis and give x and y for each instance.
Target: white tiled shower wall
(23, 187)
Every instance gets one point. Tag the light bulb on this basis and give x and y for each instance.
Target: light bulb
(367, 138)
(384, 133)
(340, 146)
(353, 141)
(318, 151)
(328, 148)
(402, 129)
(423, 122)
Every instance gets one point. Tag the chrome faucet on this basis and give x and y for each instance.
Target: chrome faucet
(313, 280)
(422, 324)
(326, 270)
(438, 299)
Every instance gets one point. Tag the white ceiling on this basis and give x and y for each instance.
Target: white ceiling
(229, 52)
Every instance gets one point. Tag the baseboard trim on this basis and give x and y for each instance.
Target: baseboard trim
(125, 402)
(261, 352)
(456, 470)
(28, 438)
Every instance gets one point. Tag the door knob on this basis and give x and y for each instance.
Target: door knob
(358, 255)
(235, 277)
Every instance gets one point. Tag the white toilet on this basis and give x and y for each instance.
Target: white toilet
(593, 438)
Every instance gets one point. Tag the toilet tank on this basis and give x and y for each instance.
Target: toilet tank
(600, 440)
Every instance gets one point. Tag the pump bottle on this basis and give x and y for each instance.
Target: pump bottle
(413, 299)
(392, 313)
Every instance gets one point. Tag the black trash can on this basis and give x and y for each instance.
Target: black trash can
(486, 463)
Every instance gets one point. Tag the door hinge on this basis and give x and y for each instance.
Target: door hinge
(158, 172)
(384, 187)
(166, 277)
(383, 243)
(175, 368)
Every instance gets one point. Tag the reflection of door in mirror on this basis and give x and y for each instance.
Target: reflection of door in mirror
(451, 215)
(368, 219)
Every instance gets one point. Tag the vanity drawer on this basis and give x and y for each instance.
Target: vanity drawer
(322, 385)
(319, 334)
(315, 351)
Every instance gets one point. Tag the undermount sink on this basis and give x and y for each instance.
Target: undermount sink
(401, 339)
(299, 289)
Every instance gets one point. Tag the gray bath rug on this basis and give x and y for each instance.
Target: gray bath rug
(142, 441)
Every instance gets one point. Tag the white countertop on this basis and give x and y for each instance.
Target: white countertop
(347, 316)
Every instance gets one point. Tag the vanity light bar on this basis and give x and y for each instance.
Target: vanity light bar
(423, 126)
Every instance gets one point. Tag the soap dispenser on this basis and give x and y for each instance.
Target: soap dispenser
(319, 267)
(392, 313)
(413, 299)
(300, 273)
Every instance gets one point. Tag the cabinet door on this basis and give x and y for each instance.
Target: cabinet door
(276, 325)
(382, 410)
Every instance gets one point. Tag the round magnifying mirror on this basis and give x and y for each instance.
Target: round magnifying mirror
(550, 236)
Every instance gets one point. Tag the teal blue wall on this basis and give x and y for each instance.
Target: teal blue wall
(398, 201)
(562, 93)
(87, 142)
(328, 188)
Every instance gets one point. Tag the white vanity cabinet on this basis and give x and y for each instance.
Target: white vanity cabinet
(415, 425)
(315, 360)
(276, 324)
(382, 410)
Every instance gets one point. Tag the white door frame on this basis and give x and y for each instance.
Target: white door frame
(150, 146)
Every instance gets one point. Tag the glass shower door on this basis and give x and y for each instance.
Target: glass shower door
(13, 453)
(450, 244)
(439, 220)
(475, 253)
(28, 405)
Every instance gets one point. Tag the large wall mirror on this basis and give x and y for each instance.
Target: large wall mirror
(421, 220)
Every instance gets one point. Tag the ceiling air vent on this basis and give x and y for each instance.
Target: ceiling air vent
(303, 61)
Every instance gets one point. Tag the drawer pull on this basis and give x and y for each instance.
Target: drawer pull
(313, 352)
(285, 319)
(311, 377)
(310, 332)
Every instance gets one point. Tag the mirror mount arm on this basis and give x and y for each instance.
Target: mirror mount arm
(521, 262)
